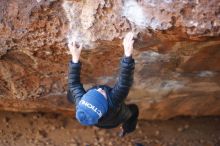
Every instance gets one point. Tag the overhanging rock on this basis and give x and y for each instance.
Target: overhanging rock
(177, 53)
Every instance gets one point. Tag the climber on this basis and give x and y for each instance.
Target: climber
(101, 105)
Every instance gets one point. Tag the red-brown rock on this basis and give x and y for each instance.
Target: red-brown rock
(177, 53)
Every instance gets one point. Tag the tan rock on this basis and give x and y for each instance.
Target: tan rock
(177, 53)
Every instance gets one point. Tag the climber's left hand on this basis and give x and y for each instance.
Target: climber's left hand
(75, 50)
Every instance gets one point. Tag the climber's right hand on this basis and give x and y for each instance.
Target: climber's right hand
(75, 50)
(128, 44)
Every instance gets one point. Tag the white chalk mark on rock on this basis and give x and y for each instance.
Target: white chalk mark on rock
(134, 13)
(171, 85)
(206, 74)
(152, 57)
(80, 35)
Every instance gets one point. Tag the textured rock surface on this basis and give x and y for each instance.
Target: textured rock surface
(177, 53)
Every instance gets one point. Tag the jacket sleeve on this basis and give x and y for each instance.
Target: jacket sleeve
(75, 88)
(121, 88)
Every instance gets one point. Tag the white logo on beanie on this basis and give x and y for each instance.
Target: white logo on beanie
(89, 105)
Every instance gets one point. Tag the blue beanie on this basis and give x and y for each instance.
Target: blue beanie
(91, 107)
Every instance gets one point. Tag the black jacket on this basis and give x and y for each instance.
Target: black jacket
(118, 112)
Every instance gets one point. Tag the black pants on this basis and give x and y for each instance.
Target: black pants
(130, 124)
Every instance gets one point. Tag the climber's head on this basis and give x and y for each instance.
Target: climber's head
(92, 106)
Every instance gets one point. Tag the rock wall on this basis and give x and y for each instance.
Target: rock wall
(177, 53)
